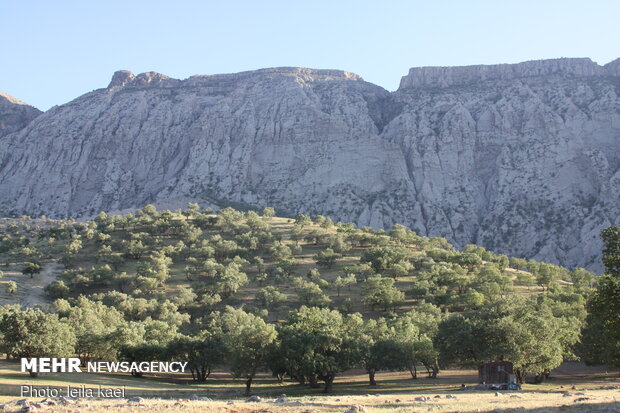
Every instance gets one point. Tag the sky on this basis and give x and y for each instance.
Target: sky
(54, 51)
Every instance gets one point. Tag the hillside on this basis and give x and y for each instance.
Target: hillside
(303, 298)
(272, 251)
(521, 159)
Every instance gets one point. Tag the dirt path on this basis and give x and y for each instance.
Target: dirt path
(34, 294)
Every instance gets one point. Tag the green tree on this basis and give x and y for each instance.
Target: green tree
(270, 297)
(518, 263)
(601, 341)
(313, 275)
(31, 268)
(346, 281)
(360, 271)
(382, 259)
(280, 252)
(140, 353)
(32, 333)
(327, 257)
(92, 322)
(268, 212)
(546, 275)
(611, 252)
(312, 295)
(247, 338)
(11, 287)
(380, 291)
(157, 267)
(202, 353)
(524, 332)
(327, 223)
(297, 234)
(317, 344)
(57, 289)
(468, 260)
(302, 220)
(411, 336)
(582, 278)
(230, 280)
(192, 209)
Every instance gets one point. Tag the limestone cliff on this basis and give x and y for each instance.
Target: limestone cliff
(523, 159)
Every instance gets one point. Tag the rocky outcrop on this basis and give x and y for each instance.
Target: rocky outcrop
(14, 114)
(613, 68)
(523, 159)
(463, 75)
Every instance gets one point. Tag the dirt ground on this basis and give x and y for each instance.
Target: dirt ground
(607, 400)
(30, 291)
(573, 387)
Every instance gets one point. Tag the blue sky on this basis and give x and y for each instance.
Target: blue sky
(54, 51)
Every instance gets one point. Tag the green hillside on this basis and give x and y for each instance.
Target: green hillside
(119, 253)
(202, 287)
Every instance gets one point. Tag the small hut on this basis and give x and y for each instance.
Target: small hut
(496, 372)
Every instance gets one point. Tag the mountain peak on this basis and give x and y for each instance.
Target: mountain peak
(121, 78)
(10, 99)
(15, 114)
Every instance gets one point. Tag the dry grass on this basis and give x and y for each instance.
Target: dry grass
(396, 392)
(593, 401)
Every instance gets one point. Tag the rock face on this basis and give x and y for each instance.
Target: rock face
(14, 114)
(523, 159)
(449, 76)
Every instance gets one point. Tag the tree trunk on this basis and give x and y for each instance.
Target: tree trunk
(300, 378)
(520, 374)
(313, 382)
(329, 381)
(541, 377)
(371, 377)
(435, 370)
(414, 371)
(203, 373)
(248, 385)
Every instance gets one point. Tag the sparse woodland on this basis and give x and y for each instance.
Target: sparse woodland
(304, 298)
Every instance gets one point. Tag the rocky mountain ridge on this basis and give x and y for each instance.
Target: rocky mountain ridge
(523, 159)
(14, 114)
(462, 75)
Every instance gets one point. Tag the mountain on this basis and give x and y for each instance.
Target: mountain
(523, 159)
(14, 114)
